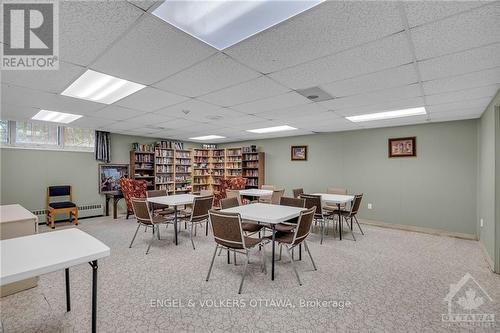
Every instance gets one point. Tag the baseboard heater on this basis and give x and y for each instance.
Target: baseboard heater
(84, 211)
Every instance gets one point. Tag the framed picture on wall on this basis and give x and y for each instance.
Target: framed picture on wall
(403, 147)
(299, 153)
(110, 175)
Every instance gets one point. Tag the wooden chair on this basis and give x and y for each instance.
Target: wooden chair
(54, 208)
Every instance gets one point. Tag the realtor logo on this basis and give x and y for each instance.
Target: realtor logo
(464, 300)
(30, 33)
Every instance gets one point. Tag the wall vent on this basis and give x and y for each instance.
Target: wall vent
(88, 210)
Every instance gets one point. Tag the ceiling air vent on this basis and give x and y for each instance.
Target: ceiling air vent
(315, 94)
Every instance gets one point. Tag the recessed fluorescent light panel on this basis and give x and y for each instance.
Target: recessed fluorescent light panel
(102, 88)
(388, 115)
(272, 129)
(56, 117)
(222, 23)
(207, 137)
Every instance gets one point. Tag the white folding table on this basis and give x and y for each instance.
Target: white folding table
(255, 193)
(49, 252)
(175, 201)
(337, 199)
(266, 213)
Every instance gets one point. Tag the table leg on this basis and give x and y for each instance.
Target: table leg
(340, 221)
(272, 264)
(94, 295)
(175, 223)
(68, 295)
(300, 251)
(115, 207)
(107, 206)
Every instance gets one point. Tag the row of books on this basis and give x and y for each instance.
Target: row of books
(143, 148)
(170, 145)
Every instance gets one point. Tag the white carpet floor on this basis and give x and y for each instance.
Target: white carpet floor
(387, 281)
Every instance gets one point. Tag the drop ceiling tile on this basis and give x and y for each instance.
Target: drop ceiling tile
(385, 106)
(21, 96)
(87, 28)
(456, 115)
(217, 72)
(152, 51)
(305, 110)
(176, 124)
(464, 81)
(261, 87)
(50, 81)
(462, 95)
(389, 52)
(334, 125)
(148, 119)
(475, 28)
(250, 122)
(150, 99)
(91, 122)
(121, 127)
(282, 134)
(379, 96)
(421, 12)
(389, 78)
(471, 104)
(327, 28)
(460, 63)
(189, 108)
(115, 112)
(144, 4)
(16, 112)
(288, 99)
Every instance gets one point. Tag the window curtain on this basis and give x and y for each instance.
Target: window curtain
(102, 146)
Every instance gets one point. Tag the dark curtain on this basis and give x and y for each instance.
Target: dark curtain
(102, 146)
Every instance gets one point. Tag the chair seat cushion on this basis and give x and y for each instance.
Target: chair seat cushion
(251, 227)
(283, 237)
(62, 204)
(251, 242)
(281, 227)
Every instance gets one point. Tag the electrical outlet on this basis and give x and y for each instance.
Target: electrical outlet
(370, 206)
(481, 223)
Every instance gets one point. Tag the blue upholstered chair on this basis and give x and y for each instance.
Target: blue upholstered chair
(60, 206)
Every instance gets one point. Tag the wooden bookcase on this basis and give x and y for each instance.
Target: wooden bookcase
(202, 179)
(164, 168)
(182, 171)
(253, 168)
(218, 167)
(233, 162)
(142, 165)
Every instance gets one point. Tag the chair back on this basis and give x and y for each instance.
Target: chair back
(233, 194)
(293, 202)
(132, 188)
(205, 193)
(276, 196)
(313, 201)
(297, 192)
(201, 206)
(227, 229)
(356, 203)
(267, 187)
(156, 193)
(303, 225)
(229, 203)
(141, 210)
(58, 191)
(336, 190)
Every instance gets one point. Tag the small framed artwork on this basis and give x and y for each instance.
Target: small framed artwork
(403, 147)
(299, 153)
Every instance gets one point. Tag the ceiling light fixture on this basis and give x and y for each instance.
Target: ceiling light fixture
(222, 23)
(56, 117)
(102, 88)
(272, 129)
(208, 137)
(388, 115)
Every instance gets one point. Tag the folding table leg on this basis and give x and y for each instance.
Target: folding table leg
(94, 295)
(68, 295)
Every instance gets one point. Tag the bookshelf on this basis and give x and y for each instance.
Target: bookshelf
(253, 167)
(201, 176)
(182, 171)
(142, 159)
(218, 167)
(233, 162)
(164, 167)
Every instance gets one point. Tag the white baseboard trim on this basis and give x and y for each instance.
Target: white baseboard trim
(487, 257)
(424, 230)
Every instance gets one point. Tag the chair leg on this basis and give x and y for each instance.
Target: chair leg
(158, 232)
(244, 274)
(352, 233)
(357, 222)
(234, 255)
(263, 253)
(152, 240)
(53, 220)
(212, 262)
(310, 256)
(75, 214)
(322, 233)
(135, 234)
(206, 228)
(293, 264)
(191, 235)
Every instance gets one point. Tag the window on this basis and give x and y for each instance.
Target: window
(4, 131)
(79, 138)
(36, 134)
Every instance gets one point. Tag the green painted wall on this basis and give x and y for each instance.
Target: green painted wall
(26, 173)
(437, 189)
(488, 174)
